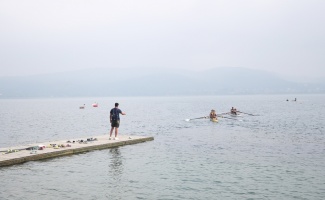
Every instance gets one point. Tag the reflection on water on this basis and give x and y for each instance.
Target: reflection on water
(115, 174)
(116, 163)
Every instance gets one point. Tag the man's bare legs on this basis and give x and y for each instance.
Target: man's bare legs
(116, 132)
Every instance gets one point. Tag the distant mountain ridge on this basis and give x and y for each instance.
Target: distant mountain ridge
(151, 82)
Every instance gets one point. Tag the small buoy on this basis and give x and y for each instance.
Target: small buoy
(95, 105)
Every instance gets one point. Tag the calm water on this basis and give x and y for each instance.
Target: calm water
(279, 154)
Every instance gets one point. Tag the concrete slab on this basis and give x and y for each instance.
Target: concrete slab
(27, 153)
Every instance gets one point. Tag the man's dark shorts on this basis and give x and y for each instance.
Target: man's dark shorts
(115, 123)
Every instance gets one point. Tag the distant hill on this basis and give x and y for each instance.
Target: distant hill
(151, 82)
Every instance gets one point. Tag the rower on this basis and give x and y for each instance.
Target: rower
(213, 114)
(233, 111)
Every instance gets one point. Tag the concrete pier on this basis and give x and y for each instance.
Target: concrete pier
(21, 154)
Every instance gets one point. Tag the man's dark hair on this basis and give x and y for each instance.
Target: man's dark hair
(116, 104)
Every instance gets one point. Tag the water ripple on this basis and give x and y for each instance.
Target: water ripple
(276, 155)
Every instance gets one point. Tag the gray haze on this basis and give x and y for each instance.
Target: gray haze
(286, 37)
(152, 82)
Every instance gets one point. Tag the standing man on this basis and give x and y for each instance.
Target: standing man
(115, 120)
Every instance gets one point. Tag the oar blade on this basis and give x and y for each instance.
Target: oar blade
(195, 118)
(247, 113)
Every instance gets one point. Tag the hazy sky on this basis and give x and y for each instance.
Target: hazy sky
(282, 36)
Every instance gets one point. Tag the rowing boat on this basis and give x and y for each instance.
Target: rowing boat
(234, 114)
(214, 119)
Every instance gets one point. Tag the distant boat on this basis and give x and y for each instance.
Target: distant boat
(95, 104)
(234, 114)
(82, 107)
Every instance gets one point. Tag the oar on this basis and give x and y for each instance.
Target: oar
(195, 118)
(226, 113)
(227, 117)
(247, 113)
(232, 118)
